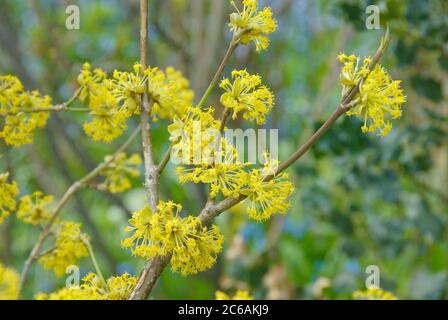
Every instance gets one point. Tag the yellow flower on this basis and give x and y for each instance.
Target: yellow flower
(227, 178)
(170, 93)
(117, 173)
(379, 99)
(128, 88)
(193, 247)
(90, 82)
(68, 248)
(19, 127)
(140, 242)
(193, 136)
(247, 95)
(109, 121)
(118, 288)
(8, 194)
(373, 293)
(252, 25)
(266, 198)
(9, 283)
(33, 209)
(10, 87)
(239, 295)
(199, 252)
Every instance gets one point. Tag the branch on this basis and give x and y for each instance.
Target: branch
(151, 173)
(75, 187)
(55, 108)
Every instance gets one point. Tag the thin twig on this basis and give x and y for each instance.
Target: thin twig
(232, 46)
(94, 261)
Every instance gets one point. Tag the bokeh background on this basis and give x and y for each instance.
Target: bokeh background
(361, 200)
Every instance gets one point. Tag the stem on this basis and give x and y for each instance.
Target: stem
(94, 261)
(56, 108)
(304, 148)
(164, 161)
(151, 173)
(75, 187)
(232, 46)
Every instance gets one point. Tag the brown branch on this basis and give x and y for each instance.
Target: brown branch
(55, 108)
(144, 283)
(151, 173)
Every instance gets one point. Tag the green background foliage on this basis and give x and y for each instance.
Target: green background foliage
(361, 200)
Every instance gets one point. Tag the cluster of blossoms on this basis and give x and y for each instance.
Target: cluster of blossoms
(373, 293)
(194, 247)
(69, 247)
(92, 288)
(113, 100)
(8, 194)
(9, 283)
(267, 197)
(239, 295)
(247, 95)
(250, 24)
(34, 208)
(379, 98)
(193, 136)
(19, 108)
(118, 171)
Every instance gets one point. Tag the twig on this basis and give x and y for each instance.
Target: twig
(154, 268)
(55, 108)
(94, 261)
(232, 46)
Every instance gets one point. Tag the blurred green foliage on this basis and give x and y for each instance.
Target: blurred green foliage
(361, 200)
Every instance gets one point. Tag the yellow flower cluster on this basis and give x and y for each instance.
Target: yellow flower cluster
(108, 119)
(119, 170)
(373, 294)
(379, 99)
(8, 194)
(266, 198)
(227, 178)
(33, 208)
(239, 295)
(193, 247)
(9, 283)
(113, 100)
(92, 288)
(21, 121)
(252, 25)
(169, 91)
(68, 248)
(248, 95)
(128, 88)
(193, 136)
